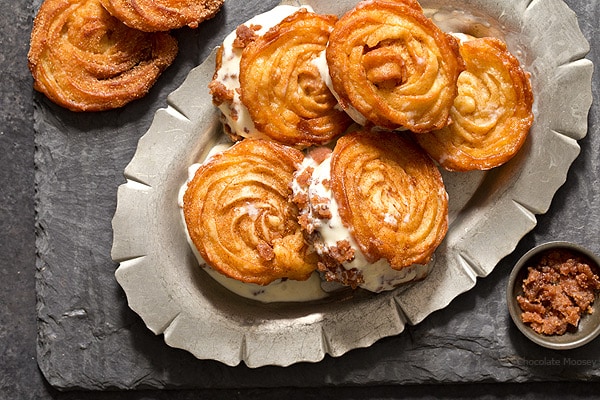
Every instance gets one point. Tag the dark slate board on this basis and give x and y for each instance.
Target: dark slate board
(89, 339)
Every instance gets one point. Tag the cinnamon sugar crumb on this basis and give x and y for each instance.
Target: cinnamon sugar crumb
(245, 35)
(320, 206)
(265, 251)
(558, 290)
(342, 252)
(305, 224)
(301, 200)
(319, 154)
(304, 177)
(220, 93)
(337, 273)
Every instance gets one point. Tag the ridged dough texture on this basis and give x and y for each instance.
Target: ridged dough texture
(239, 215)
(491, 115)
(390, 195)
(282, 88)
(162, 15)
(394, 66)
(84, 59)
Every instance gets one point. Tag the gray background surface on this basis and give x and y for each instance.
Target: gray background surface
(89, 339)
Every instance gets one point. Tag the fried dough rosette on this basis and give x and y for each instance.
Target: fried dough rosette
(162, 15)
(390, 195)
(84, 59)
(225, 85)
(492, 113)
(239, 217)
(394, 66)
(282, 87)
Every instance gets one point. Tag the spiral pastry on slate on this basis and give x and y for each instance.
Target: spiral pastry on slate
(239, 216)
(84, 59)
(390, 195)
(162, 15)
(394, 66)
(282, 88)
(491, 115)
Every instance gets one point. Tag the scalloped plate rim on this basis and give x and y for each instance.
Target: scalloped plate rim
(134, 265)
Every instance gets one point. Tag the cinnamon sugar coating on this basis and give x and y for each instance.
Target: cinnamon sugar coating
(162, 15)
(283, 89)
(239, 216)
(491, 115)
(393, 65)
(84, 59)
(390, 195)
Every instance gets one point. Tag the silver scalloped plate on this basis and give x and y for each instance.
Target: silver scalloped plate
(490, 212)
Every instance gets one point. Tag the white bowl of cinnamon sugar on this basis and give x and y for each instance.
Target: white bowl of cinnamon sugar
(552, 295)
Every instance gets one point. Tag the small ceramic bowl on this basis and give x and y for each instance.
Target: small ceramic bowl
(589, 324)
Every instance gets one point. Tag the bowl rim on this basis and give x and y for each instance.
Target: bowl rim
(580, 338)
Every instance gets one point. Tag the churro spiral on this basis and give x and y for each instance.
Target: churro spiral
(390, 195)
(491, 114)
(162, 15)
(84, 59)
(282, 87)
(394, 66)
(239, 216)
